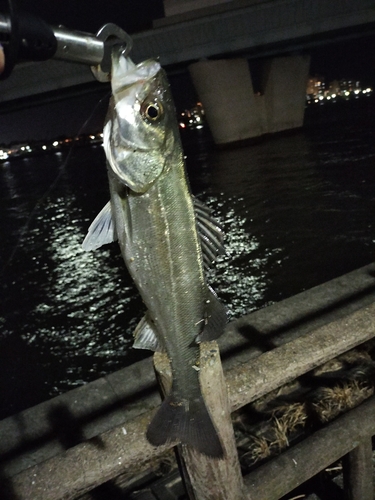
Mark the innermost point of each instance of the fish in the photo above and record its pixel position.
(167, 239)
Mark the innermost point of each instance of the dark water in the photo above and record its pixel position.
(298, 210)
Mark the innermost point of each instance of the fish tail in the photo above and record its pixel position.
(190, 424)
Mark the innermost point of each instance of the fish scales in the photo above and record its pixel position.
(152, 215)
(160, 253)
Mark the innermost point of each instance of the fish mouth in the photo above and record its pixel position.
(126, 73)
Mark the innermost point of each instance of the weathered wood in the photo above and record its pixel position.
(87, 465)
(119, 397)
(247, 382)
(112, 453)
(281, 475)
(210, 479)
(358, 472)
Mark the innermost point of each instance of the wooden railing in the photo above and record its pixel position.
(125, 450)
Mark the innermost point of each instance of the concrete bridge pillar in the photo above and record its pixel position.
(226, 92)
(235, 113)
(284, 81)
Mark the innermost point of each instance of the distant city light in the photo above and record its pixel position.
(193, 118)
(17, 150)
(318, 92)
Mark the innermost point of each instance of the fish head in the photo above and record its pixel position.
(139, 130)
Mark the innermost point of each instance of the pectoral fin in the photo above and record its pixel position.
(215, 319)
(145, 336)
(101, 231)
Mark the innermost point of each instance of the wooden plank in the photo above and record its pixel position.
(301, 462)
(112, 453)
(98, 406)
(124, 449)
(358, 472)
(209, 478)
(248, 382)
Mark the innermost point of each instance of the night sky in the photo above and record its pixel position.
(352, 59)
(90, 15)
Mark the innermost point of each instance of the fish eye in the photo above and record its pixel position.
(152, 111)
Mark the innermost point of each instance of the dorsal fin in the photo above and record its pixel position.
(210, 233)
(101, 230)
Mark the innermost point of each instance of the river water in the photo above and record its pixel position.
(297, 210)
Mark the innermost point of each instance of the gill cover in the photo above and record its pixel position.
(138, 125)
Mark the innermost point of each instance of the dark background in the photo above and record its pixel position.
(64, 114)
(90, 15)
(352, 59)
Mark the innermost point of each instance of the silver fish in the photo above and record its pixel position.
(166, 238)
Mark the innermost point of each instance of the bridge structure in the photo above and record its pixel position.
(214, 39)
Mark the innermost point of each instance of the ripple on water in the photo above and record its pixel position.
(296, 211)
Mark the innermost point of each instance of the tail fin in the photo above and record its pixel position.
(189, 423)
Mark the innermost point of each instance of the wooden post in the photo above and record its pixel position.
(358, 472)
(210, 479)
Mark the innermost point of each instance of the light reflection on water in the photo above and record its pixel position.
(86, 297)
(295, 210)
(233, 276)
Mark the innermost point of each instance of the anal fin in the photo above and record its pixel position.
(145, 335)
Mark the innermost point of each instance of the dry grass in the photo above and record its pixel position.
(332, 401)
(258, 449)
(272, 423)
(273, 435)
(287, 419)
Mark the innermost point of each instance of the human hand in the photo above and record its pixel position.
(2, 59)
